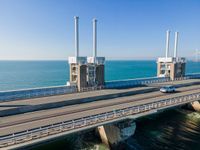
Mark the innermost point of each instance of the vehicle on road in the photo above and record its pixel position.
(168, 89)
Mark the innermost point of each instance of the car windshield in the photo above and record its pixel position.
(167, 87)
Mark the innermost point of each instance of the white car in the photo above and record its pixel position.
(168, 89)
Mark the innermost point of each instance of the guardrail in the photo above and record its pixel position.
(93, 120)
(134, 82)
(87, 89)
(193, 75)
(144, 81)
(58, 90)
(36, 92)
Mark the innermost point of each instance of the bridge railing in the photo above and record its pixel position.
(145, 81)
(193, 76)
(87, 89)
(36, 92)
(94, 120)
(58, 90)
(134, 82)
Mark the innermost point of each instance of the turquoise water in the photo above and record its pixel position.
(31, 74)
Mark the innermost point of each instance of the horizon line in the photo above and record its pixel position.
(190, 59)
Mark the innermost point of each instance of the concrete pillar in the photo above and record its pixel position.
(195, 105)
(103, 135)
(112, 134)
(158, 69)
(100, 75)
(172, 71)
(82, 77)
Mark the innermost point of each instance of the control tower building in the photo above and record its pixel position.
(86, 72)
(173, 67)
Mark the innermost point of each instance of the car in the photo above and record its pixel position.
(168, 89)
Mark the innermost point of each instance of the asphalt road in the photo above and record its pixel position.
(21, 122)
(86, 95)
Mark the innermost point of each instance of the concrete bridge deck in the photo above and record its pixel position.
(36, 119)
(36, 104)
(17, 123)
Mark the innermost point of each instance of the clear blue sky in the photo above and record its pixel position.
(127, 29)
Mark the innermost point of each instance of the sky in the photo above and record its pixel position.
(127, 29)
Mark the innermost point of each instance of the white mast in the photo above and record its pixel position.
(167, 44)
(94, 39)
(176, 44)
(76, 36)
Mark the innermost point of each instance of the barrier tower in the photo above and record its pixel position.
(173, 67)
(86, 72)
(95, 64)
(77, 64)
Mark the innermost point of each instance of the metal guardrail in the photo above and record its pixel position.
(143, 81)
(193, 75)
(58, 90)
(87, 89)
(71, 125)
(36, 92)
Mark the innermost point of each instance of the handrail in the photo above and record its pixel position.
(135, 82)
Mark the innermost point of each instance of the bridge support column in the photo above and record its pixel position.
(195, 105)
(113, 134)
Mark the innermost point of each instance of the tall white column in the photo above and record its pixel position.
(76, 36)
(167, 44)
(176, 44)
(94, 39)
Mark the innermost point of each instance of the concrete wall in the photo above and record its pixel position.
(176, 69)
(100, 75)
(158, 69)
(72, 73)
(82, 76)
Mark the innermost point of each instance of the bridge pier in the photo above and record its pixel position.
(112, 134)
(195, 105)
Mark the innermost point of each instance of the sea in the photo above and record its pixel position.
(173, 129)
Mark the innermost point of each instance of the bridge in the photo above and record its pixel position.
(32, 116)
(35, 119)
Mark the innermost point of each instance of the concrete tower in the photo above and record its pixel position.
(173, 67)
(86, 71)
(95, 64)
(78, 65)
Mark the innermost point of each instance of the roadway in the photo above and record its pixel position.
(21, 122)
(77, 98)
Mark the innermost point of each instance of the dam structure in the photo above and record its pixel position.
(34, 116)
